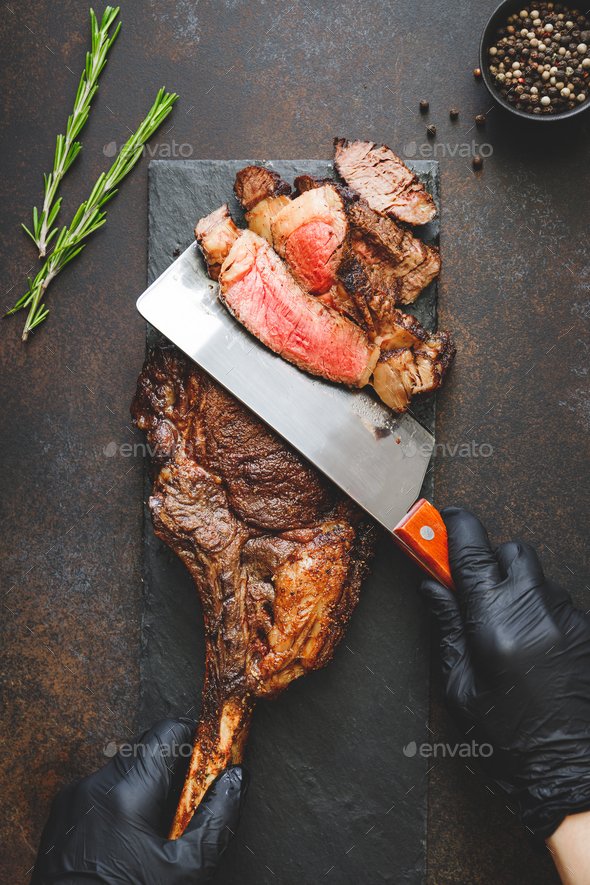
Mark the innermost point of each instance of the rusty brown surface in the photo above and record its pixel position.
(268, 79)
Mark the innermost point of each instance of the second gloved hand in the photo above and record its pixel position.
(516, 663)
(111, 827)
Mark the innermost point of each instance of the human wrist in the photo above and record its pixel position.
(569, 846)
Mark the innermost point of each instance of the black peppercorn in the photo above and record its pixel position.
(454, 113)
(431, 130)
(480, 120)
(424, 105)
(477, 162)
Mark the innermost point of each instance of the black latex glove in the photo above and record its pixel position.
(516, 664)
(111, 827)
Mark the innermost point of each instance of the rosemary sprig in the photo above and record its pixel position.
(91, 214)
(66, 146)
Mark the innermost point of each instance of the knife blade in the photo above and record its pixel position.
(376, 457)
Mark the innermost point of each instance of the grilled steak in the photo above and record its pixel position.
(357, 262)
(215, 234)
(383, 180)
(257, 288)
(369, 306)
(393, 257)
(308, 231)
(350, 334)
(262, 193)
(276, 553)
(309, 234)
(412, 361)
(256, 183)
(260, 218)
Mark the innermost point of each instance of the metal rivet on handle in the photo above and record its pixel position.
(427, 532)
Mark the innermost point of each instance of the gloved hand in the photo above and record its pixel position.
(516, 665)
(111, 827)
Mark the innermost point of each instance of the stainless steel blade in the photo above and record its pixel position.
(376, 457)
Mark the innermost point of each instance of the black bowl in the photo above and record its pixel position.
(497, 20)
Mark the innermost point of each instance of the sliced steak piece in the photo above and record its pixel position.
(257, 288)
(260, 218)
(414, 282)
(370, 306)
(384, 236)
(263, 194)
(276, 552)
(390, 252)
(216, 234)
(393, 257)
(309, 234)
(383, 180)
(412, 361)
(307, 182)
(256, 183)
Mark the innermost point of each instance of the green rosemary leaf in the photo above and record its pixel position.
(90, 215)
(66, 146)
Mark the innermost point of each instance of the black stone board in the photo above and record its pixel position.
(332, 796)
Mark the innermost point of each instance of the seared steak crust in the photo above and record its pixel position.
(263, 194)
(307, 182)
(383, 180)
(215, 234)
(373, 306)
(277, 554)
(256, 183)
(393, 257)
(414, 362)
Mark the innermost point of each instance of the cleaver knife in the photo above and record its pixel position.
(376, 457)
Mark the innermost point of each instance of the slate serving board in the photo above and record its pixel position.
(332, 796)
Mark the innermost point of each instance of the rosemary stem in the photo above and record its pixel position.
(91, 215)
(67, 146)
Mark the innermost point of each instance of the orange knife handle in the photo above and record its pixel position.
(422, 534)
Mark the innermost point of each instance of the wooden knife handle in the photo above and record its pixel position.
(422, 534)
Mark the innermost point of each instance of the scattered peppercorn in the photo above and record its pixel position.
(477, 162)
(477, 73)
(540, 59)
(431, 130)
(454, 113)
(480, 120)
(424, 105)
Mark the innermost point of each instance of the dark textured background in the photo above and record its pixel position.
(268, 79)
